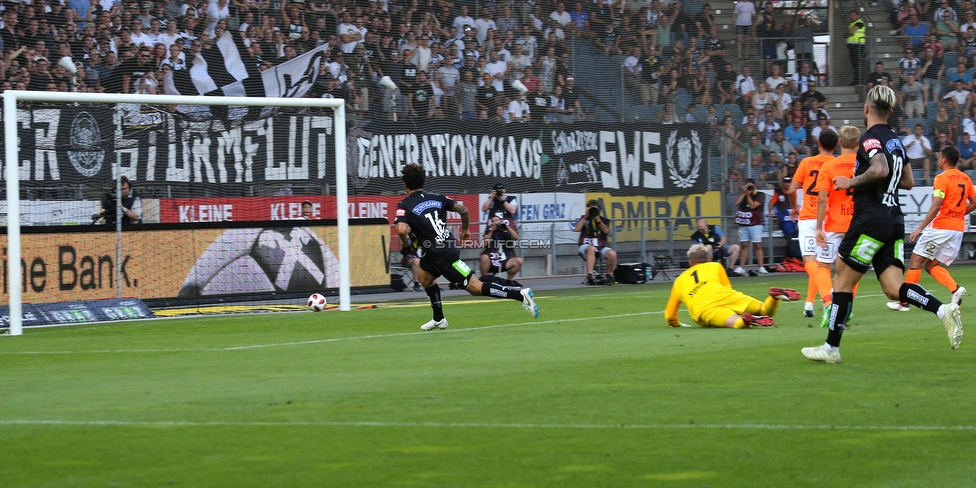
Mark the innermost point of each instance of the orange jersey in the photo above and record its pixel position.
(806, 175)
(955, 188)
(840, 203)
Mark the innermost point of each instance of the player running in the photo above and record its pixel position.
(707, 292)
(953, 198)
(834, 211)
(805, 178)
(426, 214)
(876, 234)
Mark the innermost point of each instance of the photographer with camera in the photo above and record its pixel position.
(131, 206)
(594, 231)
(499, 250)
(500, 204)
(749, 217)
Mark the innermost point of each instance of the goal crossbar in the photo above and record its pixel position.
(11, 97)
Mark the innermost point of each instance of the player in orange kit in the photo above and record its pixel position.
(834, 210)
(707, 292)
(805, 178)
(953, 197)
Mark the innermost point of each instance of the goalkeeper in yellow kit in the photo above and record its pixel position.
(705, 289)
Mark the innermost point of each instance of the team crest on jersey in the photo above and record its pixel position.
(684, 158)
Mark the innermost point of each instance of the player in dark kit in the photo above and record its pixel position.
(877, 232)
(426, 214)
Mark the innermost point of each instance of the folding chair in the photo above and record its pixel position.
(661, 263)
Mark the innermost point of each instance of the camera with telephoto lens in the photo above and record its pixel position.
(594, 212)
(498, 193)
(108, 208)
(751, 187)
(501, 227)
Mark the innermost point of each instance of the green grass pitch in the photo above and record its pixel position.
(596, 392)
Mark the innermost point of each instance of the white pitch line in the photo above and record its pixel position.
(483, 425)
(331, 339)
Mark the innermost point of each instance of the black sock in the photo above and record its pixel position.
(839, 311)
(914, 294)
(497, 290)
(434, 294)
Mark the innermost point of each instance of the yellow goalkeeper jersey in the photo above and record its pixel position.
(699, 288)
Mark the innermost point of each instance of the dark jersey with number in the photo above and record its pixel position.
(426, 213)
(877, 203)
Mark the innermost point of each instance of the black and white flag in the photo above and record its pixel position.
(223, 71)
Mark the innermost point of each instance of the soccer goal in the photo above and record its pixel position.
(239, 172)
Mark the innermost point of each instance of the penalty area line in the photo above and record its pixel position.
(332, 339)
(482, 425)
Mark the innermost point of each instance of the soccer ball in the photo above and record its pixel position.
(316, 302)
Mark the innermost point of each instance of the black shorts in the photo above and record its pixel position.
(446, 263)
(878, 245)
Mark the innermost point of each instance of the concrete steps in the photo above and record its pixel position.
(846, 105)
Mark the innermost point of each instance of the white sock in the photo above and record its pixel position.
(941, 312)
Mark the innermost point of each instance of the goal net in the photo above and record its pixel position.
(177, 201)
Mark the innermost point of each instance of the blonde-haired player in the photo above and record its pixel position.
(877, 231)
(941, 231)
(805, 179)
(834, 211)
(707, 292)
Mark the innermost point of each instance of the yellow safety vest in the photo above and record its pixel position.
(859, 34)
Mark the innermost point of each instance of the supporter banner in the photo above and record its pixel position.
(81, 145)
(223, 260)
(622, 159)
(628, 214)
(79, 312)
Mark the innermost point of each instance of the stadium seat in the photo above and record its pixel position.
(736, 112)
(701, 112)
(950, 58)
(910, 124)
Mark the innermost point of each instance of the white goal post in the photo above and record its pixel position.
(11, 97)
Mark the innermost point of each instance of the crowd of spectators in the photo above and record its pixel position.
(447, 60)
(934, 80)
(762, 125)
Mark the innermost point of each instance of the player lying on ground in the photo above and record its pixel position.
(426, 214)
(707, 292)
